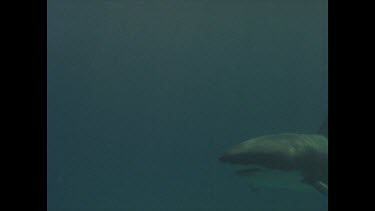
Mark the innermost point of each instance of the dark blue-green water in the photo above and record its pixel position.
(143, 97)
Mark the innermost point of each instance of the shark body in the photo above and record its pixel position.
(288, 160)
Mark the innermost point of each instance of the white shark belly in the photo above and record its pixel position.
(269, 178)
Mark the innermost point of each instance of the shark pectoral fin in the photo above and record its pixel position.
(320, 186)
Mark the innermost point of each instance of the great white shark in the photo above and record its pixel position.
(287, 160)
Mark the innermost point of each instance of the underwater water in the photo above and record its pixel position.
(144, 96)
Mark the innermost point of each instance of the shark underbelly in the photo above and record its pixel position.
(277, 179)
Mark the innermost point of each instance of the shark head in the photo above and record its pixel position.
(272, 151)
(280, 160)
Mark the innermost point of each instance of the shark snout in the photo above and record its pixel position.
(256, 153)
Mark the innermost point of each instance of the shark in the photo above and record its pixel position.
(294, 161)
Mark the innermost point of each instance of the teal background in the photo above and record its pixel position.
(143, 96)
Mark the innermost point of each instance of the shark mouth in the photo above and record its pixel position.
(249, 169)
